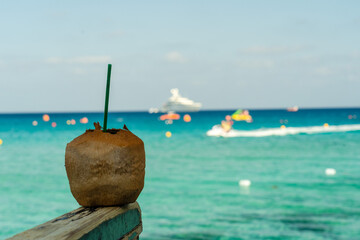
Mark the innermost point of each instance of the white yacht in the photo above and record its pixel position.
(177, 103)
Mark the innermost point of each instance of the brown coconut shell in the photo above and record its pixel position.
(105, 168)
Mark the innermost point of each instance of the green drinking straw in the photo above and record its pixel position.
(107, 97)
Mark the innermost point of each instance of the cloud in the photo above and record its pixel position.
(268, 50)
(79, 60)
(115, 34)
(79, 71)
(256, 64)
(58, 14)
(353, 77)
(175, 56)
(323, 71)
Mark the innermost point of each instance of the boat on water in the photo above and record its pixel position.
(177, 103)
(293, 109)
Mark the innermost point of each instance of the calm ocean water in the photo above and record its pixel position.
(192, 181)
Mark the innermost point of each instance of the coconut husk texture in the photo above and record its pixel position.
(105, 168)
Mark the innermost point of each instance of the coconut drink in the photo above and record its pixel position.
(105, 167)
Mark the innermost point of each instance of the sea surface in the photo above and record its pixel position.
(192, 186)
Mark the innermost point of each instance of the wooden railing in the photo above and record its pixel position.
(106, 223)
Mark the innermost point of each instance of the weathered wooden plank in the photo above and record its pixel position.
(90, 223)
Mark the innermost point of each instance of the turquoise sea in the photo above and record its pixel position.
(192, 180)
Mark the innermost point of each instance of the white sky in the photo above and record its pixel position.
(225, 54)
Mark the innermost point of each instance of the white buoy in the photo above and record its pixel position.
(330, 171)
(244, 183)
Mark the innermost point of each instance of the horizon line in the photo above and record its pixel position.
(204, 110)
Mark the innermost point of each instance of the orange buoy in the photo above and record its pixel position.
(34, 123)
(84, 120)
(168, 134)
(326, 125)
(187, 118)
(53, 124)
(46, 117)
